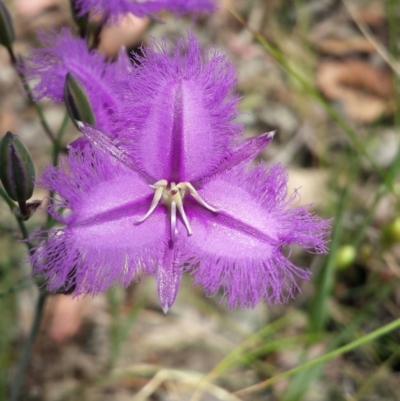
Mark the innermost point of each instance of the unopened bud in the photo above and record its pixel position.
(16, 168)
(7, 35)
(77, 101)
(345, 256)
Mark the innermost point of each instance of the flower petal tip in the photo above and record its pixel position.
(165, 310)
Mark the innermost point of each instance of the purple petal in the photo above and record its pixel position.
(102, 243)
(176, 118)
(239, 249)
(79, 144)
(63, 53)
(116, 8)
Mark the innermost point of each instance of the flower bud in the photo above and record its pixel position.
(7, 35)
(77, 101)
(16, 168)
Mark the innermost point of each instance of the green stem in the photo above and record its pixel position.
(57, 146)
(28, 92)
(318, 311)
(26, 352)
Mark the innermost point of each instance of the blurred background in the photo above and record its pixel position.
(325, 74)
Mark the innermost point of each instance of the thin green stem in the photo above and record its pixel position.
(57, 146)
(318, 311)
(324, 358)
(28, 92)
(26, 352)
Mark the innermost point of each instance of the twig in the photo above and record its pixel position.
(190, 378)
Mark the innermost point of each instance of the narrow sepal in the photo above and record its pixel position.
(7, 35)
(17, 172)
(243, 152)
(112, 147)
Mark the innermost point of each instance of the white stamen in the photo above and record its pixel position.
(156, 200)
(187, 186)
(173, 198)
(184, 217)
(159, 184)
(177, 199)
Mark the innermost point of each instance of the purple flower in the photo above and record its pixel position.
(174, 193)
(62, 53)
(141, 8)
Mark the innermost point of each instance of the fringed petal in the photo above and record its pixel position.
(102, 242)
(240, 249)
(115, 9)
(62, 53)
(176, 117)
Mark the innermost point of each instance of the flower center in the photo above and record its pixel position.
(172, 196)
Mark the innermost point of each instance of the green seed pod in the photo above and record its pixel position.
(7, 35)
(390, 233)
(345, 256)
(77, 101)
(16, 168)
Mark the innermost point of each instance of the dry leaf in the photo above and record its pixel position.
(364, 91)
(343, 46)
